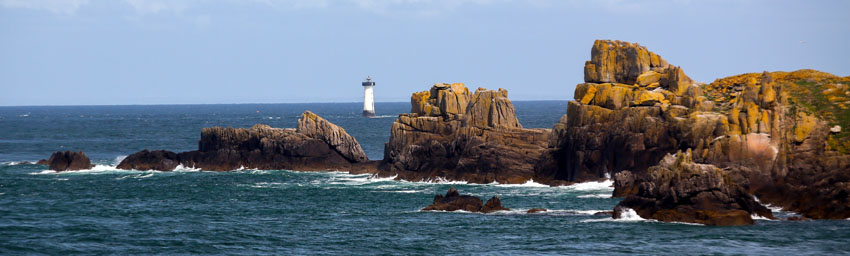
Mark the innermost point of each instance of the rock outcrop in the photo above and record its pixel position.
(677, 189)
(69, 161)
(773, 134)
(454, 201)
(632, 110)
(160, 160)
(620, 62)
(316, 145)
(316, 127)
(455, 135)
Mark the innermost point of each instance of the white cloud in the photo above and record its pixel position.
(66, 7)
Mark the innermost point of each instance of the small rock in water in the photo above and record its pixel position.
(536, 210)
(69, 161)
(604, 213)
(454, 201)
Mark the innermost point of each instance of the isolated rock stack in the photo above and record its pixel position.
(453, 134)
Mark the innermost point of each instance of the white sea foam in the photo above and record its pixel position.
(602, 195)
(769, 206)
(181, 168)
(592, 185)
(267, 184)
(441, 180)
(627, 216)
(404, 191)
(118, 159)
(529, 183)
(357, 179)
(383, 116)
(759, 217)
(584, 212)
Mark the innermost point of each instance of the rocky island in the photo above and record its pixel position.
(315, 145)
(678, 150)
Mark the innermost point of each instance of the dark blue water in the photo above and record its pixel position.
(109, 211)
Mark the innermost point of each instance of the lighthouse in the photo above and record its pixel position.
(368, 98)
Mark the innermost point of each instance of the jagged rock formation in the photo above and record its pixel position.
(778, 135)
(314, 146)
(454, 201)
(455, 135)
(632, 109)
(68, 161)
(619, 62)
(317, 127)
(677, 189)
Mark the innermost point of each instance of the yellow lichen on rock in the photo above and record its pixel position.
(613, 96)
(419, 101)
(648, 98)
(648, 78)
(805, 123)
(585, 92)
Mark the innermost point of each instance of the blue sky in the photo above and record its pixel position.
(96, 52)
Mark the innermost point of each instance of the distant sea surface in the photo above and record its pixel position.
(110, 211)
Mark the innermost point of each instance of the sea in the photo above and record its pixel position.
(282, 212)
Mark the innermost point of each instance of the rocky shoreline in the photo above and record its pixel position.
(678, 150)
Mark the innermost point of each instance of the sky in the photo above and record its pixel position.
(116, 52)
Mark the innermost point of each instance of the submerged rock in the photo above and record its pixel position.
(677, 189)
(316, 145)
(535, 210)
(69, 161)
(454, 201)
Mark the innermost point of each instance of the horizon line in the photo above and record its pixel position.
(191, 104)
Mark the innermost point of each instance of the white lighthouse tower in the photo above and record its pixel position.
(368, 98)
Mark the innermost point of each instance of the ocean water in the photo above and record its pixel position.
(109, 211)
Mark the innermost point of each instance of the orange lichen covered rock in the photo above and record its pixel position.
(619, 62)
(485, 143)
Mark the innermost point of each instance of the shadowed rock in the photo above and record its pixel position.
(454, 201)
(679, 190)
(69, 161)
(160, 160)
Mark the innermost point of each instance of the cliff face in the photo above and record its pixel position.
(454, 134)
(632, 110)
(778, 135)
(315, 145)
